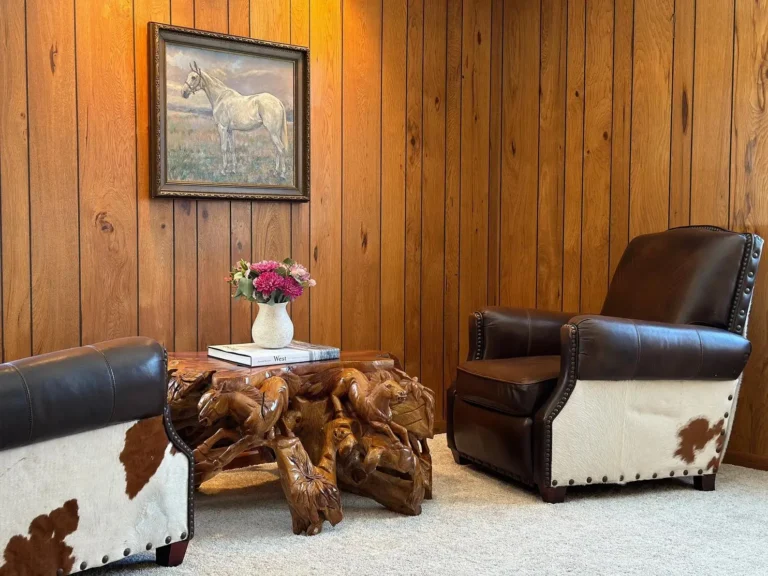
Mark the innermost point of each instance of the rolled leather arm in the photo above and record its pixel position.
(620, 349)
(497, 332)
(81, 389)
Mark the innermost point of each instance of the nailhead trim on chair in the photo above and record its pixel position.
(574, 339)
(182, 446)
(479, 344)
(745, 282)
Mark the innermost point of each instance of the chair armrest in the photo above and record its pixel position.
(497, 332)
(621, 349)
(81, 389)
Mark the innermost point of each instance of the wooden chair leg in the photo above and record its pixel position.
(173, 554)
(552, 495)
(704, 483)
(458, 458)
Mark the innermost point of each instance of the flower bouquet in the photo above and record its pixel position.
(272, 285)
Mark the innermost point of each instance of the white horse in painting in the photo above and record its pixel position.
(233, 111)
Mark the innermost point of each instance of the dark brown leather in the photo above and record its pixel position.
(80, 389)
(499, 441)
(516, 386)
(681, 276)
(621, 349)
(497, 332)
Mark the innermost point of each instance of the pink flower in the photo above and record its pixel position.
(268, 282)
(299, 272)
(291, 288)
(265, 266)
(312, 282)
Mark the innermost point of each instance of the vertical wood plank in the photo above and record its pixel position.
(239, 16)
(393, 130)
(184, 236)
(494, 168)
(53, 169)
(183, 13)
(710, 171)
(433, 199)
(241, 311)
(271, 20)
(622, 130)
(155, 216)
(300, 22)
(475, 119)
(413, 182)
(361, 175)
(574, 155)
(749, 208)
(325, 234)
(452, 324)
(520, 154)
(240, 212)
(213, 228)
(651, 117)
(16, 322)
(682, 112)
(107, 137)
(598, 118)
(300, 222)
(549, 277)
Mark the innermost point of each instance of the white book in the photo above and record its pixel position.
(252, 355)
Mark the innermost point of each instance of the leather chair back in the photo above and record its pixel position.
(694, 275)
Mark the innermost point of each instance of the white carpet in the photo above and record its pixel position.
(479, 524)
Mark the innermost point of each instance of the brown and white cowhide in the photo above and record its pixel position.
(619, 429)
(73, 503)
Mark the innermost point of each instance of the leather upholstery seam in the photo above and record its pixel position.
(112, 376)
(491, 407)
(701, 355)
(28, 394)
(638, 353)
(511, 383)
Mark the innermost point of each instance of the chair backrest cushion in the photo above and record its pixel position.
(694, 275)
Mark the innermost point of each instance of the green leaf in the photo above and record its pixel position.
(244, 288)
(289, 262)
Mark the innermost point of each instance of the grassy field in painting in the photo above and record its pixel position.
(194, 153)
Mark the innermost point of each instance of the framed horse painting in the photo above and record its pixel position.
(229, 116)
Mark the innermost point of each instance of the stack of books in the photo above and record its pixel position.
(252, 355)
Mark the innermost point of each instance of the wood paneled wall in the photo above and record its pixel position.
(464, 152)
(87, 256)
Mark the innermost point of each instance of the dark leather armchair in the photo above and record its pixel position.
(91, 469)
(645, 390)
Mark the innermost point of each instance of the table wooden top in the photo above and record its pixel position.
(201, 362)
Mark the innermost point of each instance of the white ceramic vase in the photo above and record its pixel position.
(273, 327)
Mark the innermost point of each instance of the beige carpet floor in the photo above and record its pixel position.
(479, 524)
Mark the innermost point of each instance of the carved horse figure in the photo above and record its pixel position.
(371, 403)
(311, 490)
(256, 411)
(234, 111)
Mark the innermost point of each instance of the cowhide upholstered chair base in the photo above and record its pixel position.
(91, 470)
(645, 390)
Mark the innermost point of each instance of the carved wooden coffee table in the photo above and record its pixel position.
(359, 423)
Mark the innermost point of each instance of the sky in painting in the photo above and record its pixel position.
(243, 72)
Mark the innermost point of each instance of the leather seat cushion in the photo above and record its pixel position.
(516, 386)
